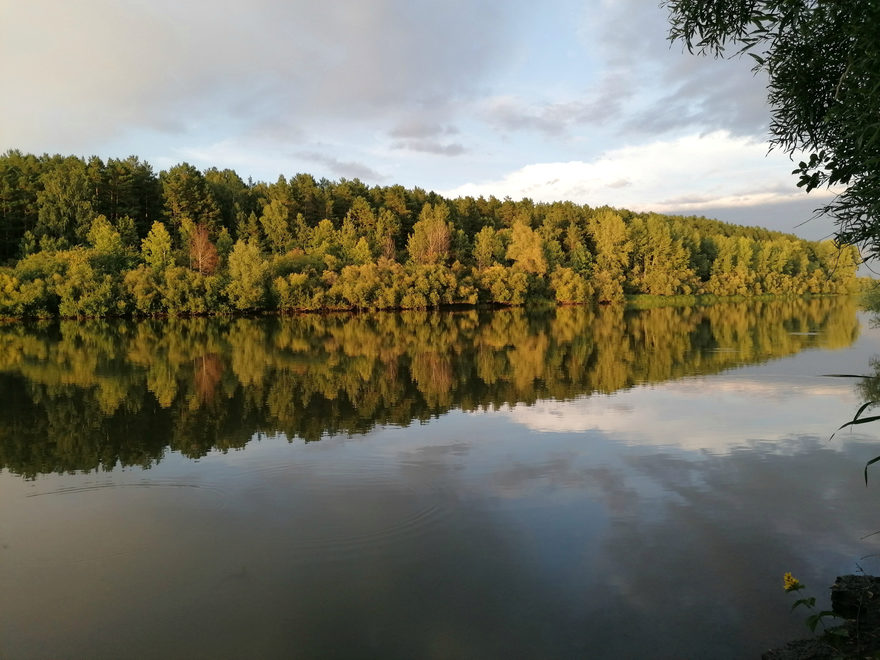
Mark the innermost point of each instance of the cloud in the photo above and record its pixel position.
(512, 114)
(348, 169)
(686, 175)
(425, 136)
(632, 82)
(675, 90)
(98, 68)
(241, 154)
(714, 96)
(419, 129)
(431, 147)
(797, 216)
(598, 105)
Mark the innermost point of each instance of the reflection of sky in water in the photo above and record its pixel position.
(654, 522)
(786, 397)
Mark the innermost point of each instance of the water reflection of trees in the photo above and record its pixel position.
(87, 396)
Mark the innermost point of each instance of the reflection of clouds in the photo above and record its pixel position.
(448, 547)
(521, 479)
(727, 527)
(714, 414)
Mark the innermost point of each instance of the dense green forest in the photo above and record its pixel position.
(88, 395)
(92, 238)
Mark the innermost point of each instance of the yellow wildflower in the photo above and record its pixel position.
(790, 583)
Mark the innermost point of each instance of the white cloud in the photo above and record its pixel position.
(431, 147)
(685, 174)
(671, 89)
(91, 70)
(599, 105)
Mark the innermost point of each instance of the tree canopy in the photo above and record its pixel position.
(198, 243)
(822, 58)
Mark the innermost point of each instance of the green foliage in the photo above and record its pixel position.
(233, 196)
(248, 277)
(37, 277)
(296, 262)
(526, 249)
(224, 243)
(248, 228)
(793, 585)
(503, 285)
(186, 291)
(156, 248)
(110, 255)
(569, 286)
(822, 60)
(385, 236)
(347, 241)
(430, 240)
(275, 227)
(188, 196)
(85, 292)
(65, 204)
(295, 291)
(611, 247)
(488, 247)
(359, 287)
(19, 208)
(324, 241)
(660, 262)
(142, 287)
(429, 285)
(361, 217)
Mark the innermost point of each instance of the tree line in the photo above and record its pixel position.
(89, 395)
(81, 238)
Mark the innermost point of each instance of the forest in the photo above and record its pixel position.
(88, 238)
(91, 395)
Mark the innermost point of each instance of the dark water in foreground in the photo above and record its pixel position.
(494, 485)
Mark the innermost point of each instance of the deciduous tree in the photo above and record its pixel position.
(822, 59)
(203, 255)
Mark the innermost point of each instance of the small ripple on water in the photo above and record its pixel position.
(417, 523)
(329, 531)
(85, 488)
(363, 471)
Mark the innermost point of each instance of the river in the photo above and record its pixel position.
(560, 484)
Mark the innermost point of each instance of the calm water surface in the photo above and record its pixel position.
(487, 485)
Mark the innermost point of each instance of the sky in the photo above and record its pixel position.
(584, 101)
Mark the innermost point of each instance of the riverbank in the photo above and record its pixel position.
(855, 600)
(636, 302)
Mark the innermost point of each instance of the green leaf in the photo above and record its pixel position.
(869, 464)
(854, 422)
(864, 407)
(814, 619)
(808, 602)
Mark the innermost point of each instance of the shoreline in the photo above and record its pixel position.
(631, 302)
